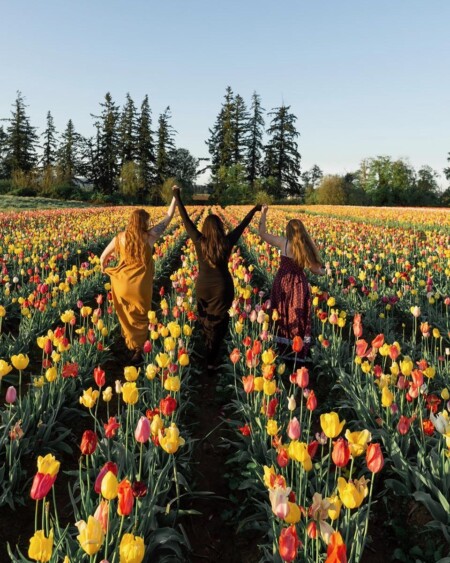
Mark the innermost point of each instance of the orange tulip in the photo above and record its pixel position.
(125, 498)
(374, 458)
(336, 550)
(289, 543)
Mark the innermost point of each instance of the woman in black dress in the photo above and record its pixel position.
(214, 287)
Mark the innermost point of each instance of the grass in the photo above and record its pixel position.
(16, 203)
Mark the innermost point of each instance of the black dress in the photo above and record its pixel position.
(214, 286)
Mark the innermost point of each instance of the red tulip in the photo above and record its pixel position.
(256, 348)
(139, 489)
(311, 401)
(341, 452)
(42, 483)
(378, 341)
(403, 425)
(272, 407)
(167, 405)
(312, 530)
(88, 442)
(289, 543)
(297, 344)
(312, 448)
(147, 348)
(125, 498)
(357, 326)
(374, 458)
(111, 427)
(282, 457)
(99, 377)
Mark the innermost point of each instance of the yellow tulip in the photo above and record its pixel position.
(51, 374)
(445, 394)
(169, 344)
(164, 331)
(107, 394)
(174, 329)
(269, 387)
(170, 441)
(272, 427)
(294, 513)
(350, 496)
(268, 356)
(2, 311)
(151, 371)
(67, 316)
(48, 465)
(89, 398)
(269, 472)
(156, 425)
(335, 507)
(91, 534)
(430, 372)
(41, 547)
(131, 549)
(39, 381)
(406, 365)
(259, 383)
(357, 441)
(20, 361)
(331, 425)
(130, 373)
(109, 486)
(5, 368)
(172, 383)
(152, 318)
(387, 397)
(130, 393)
(163, 360)
(183, 360)
(187, 330)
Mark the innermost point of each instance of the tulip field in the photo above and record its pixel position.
(318, 452)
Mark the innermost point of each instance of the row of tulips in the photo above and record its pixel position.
(126, 491)
(43, 416)
(405, 407)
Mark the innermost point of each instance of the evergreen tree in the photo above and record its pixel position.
(255, 144)
(222, 137)
(239, 127)
(68, 153)
(282, 157)
(165, 147)
(128, 132)
(49, 146)
(447, 170)
(145, 148)
(107, 149)
(21, 140)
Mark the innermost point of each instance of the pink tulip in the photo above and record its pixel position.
(11, 395)
(142, 432)
(293, 430)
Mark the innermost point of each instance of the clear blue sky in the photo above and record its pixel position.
(364, 77)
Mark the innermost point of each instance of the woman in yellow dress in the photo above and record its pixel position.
(132, 278)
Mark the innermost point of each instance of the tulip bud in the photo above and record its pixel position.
(11, 395)
(142, 432)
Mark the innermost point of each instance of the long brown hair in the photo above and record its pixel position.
(304, 251)
(214, 243)
(135, 239)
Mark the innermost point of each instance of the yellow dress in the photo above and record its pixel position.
(132, 288)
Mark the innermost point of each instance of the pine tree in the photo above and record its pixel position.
(128, 132)
(255, 144)
(21, 140)
(222, 137)
(107, 148)
(282, 162)
(3, 152)
(68, 153)
(165, 147)
(240, 124)
(49, 146)
(145, 148)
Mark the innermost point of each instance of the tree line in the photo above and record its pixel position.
(253, 156)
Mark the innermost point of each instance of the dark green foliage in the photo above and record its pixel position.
(255, 140)
(128, 132)
(21, 140)
(282, 157)
(49, 143)
(68, 156)
(165, 147)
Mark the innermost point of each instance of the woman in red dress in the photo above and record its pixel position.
(291, 295)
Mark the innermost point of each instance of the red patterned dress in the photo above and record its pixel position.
(291, 297)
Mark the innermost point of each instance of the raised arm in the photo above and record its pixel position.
(109, 250)
(274, 240)
(160, 227)
(191, 229)
(234, 235)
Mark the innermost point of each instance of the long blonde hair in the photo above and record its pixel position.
(304, 251)
(214, 242)
(135, 239)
